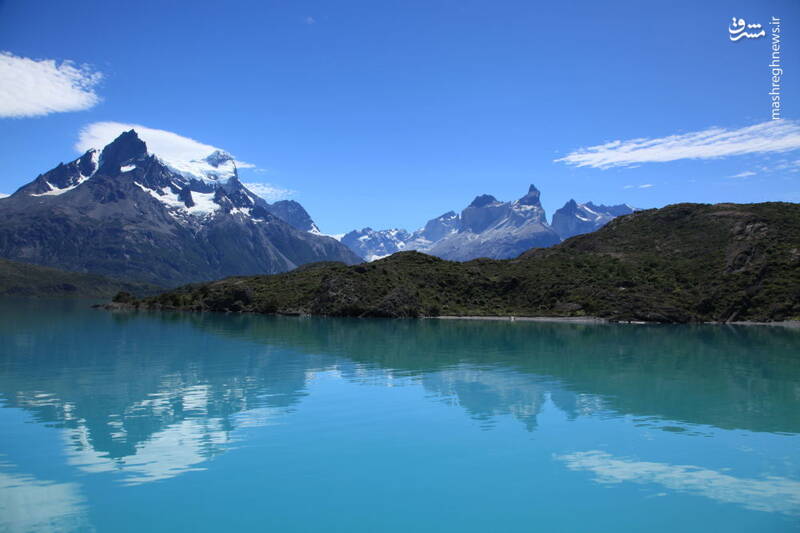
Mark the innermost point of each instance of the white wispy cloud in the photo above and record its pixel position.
(269, 192)
(36, 87)
(745, 174)
(772, 494)
(766, 137)
(642, 186)
(783, 165)
(3, 195)
(165, 144)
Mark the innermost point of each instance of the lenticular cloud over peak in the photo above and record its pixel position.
(167, 145)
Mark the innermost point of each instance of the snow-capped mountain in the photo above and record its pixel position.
(576, 219)
(125, 212)
(486, 228)
(373, 244)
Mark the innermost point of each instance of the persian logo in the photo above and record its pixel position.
(737, 27)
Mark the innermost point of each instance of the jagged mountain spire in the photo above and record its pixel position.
(127, 147)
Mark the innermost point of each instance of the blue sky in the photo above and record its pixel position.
(386, 114)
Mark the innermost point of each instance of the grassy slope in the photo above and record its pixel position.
(23, 279)
(686, 262)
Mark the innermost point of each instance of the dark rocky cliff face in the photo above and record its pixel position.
(125, 213)
(293, 213)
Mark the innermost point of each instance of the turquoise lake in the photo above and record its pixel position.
(204, 422)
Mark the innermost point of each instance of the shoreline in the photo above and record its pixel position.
(118, 306)
(568, 319)
(598, 320)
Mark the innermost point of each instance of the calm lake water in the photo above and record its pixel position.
(190, 422)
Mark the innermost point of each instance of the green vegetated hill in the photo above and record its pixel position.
(681, 263)
(23, 279)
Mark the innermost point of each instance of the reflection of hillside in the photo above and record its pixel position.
(729, 377)
(198, 377)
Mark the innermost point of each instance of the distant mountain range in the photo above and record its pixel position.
(487, 228)
(124, 212)
(127, 213)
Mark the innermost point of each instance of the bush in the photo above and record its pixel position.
(123, 297)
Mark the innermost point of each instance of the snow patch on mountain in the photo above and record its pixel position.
(55, 191)
(334, 236)
(217, 167)
(85, 168)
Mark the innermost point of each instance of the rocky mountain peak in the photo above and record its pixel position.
(440, 226)
(575, 219)
(483, 200)
(532, 198)
(218, 157)
(293, 213)
(571, 206)
(615, 210)
(128, 146)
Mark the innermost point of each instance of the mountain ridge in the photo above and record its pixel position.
(680, 263)
(487, 227)
(575, 219)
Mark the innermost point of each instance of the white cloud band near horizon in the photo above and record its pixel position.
(712, 143)
(38, 87)
(165, 144)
